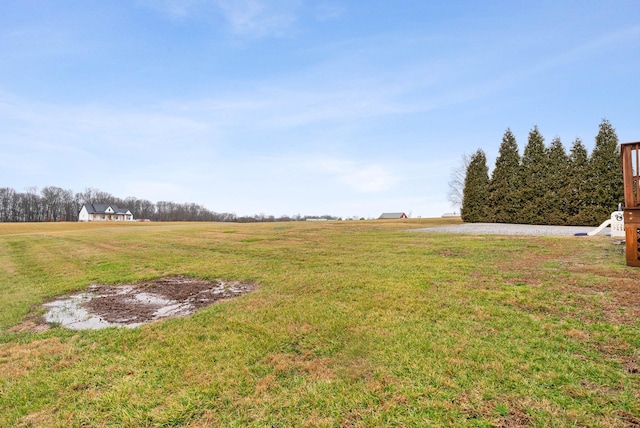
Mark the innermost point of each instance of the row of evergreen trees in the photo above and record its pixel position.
(546, 185)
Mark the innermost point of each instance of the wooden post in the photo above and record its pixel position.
(630, 156)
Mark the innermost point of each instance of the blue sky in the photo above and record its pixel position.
(348, 108)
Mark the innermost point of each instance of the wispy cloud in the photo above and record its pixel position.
(361, 176)
(286, 108)
(99, 125)
(259, 17)
(177, 9)
(562, 56)
(37, 43)
(327, 11)
(249, 18)
(590, 48)
(44, 139)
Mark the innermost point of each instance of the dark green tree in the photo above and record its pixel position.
(605, 186)
(476, 189)
(557, 184)
(504, 186)
(577, 184)
(534, 171)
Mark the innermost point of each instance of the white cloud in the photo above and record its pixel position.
(45, 144)
(258, 17)
(370, 178)
(360, 176)
(94, 125)
(252, 18)
(172, 153)
(327, 11)
(160, 189)
(177, 9)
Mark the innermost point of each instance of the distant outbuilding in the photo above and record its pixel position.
(104, 212)
(387, 216)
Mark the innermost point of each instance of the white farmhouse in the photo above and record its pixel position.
(104, 212)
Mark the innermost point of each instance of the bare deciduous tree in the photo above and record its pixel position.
(456, 181)
(57, 204)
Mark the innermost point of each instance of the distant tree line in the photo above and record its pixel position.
(57, 204)
(545, 185)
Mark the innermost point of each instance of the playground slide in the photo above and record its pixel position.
(600, 228)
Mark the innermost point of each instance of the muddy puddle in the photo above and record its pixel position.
(102, 306)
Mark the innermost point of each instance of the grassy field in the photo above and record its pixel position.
(355, 323)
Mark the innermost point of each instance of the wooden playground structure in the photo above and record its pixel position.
(630, 156)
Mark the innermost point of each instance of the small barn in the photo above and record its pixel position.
(387, 216)
(104, 212)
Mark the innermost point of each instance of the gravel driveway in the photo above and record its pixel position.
(512, 229)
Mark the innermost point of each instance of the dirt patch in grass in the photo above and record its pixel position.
(131, 305)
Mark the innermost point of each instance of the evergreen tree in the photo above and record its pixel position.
(605, 176)
(577, 184)
(534, 171)
(557, 184)
(504, 187)
(476, 189)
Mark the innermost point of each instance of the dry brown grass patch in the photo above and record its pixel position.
(318, 368)
(41, 418)
(17, 360)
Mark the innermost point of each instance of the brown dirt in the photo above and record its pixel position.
(142, 301)
(135, 304)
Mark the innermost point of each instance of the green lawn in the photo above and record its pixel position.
(354, 323)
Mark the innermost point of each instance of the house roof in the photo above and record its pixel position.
(392, 215)
(102, 209)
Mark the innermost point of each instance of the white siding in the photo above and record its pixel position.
(84, 214)
(108, 215)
